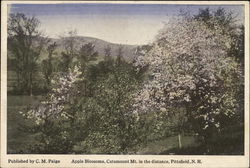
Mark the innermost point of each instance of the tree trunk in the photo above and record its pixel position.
(31, 94)
(179, 139)
(18, 80)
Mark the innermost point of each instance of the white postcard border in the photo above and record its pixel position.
(65, 160)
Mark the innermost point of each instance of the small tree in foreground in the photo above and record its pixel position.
(54, 119)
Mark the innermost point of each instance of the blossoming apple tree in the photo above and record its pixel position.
(54, 117)
(189, 68)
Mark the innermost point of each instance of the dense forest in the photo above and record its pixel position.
(183, 93)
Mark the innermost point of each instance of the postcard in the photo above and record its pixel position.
(124, 84)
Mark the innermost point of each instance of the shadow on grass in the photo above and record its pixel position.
(229, 141)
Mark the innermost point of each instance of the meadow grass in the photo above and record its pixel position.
(166, 144)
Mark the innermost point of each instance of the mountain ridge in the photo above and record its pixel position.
(100, 45)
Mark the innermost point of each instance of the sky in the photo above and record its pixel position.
(134, 24)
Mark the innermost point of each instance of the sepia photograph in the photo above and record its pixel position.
(124, 79)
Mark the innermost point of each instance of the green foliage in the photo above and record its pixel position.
(113, 128)
(94, 117)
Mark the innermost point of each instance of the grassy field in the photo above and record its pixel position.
(18, 140)
(165, 146)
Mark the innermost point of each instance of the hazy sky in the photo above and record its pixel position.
(117, 23)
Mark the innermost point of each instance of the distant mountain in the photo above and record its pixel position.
(100, 45)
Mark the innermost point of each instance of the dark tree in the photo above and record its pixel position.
(86, 54)
(25, 45)
(119, 58)
(107, 53)
(228, 26)
(47, 64)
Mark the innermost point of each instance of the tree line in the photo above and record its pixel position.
(34, 57)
